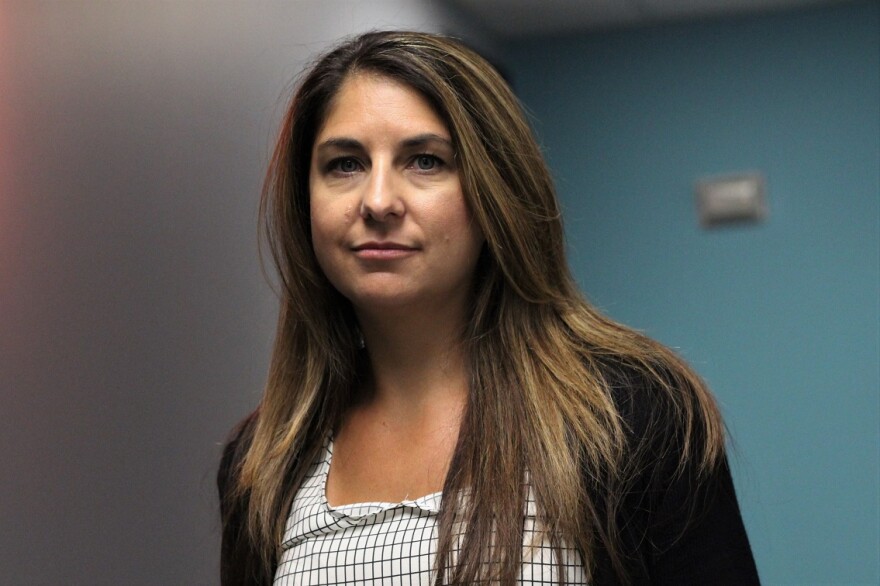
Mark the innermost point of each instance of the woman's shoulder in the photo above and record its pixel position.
(651, 396)
(673, 430)
(240, 562)
(237, 445)
(678, 514)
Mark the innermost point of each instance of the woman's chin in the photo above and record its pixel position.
(384, 301)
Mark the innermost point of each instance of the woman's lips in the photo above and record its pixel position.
(383, 250)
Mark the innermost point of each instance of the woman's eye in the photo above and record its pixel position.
(346, 165)
(426, 162)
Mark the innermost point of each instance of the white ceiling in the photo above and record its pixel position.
(514, 18)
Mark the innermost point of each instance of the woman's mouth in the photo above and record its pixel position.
(383, 250)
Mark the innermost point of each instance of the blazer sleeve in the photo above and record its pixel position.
(697, 534)
(677, 527)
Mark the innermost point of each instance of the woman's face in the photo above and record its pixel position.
(390, 226)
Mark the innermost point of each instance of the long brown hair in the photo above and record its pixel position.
(544, 366)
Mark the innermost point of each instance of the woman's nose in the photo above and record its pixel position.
(381, 200)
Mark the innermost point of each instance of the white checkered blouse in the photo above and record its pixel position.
(386, 543)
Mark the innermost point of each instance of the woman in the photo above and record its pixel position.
(431, 343)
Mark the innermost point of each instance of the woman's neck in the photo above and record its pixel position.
(417, 360)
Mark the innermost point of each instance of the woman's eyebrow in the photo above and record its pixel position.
(351, 144)
(342, 143)
(423, 139)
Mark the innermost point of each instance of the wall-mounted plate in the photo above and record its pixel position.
(731, 199)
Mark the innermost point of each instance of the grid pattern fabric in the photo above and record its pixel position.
(386, 543)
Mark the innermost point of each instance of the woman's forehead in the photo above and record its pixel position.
(376, 103)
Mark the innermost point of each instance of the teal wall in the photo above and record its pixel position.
(781, 318)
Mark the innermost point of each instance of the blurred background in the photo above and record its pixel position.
(135, 324)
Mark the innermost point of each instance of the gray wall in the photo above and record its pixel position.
(135, 324)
